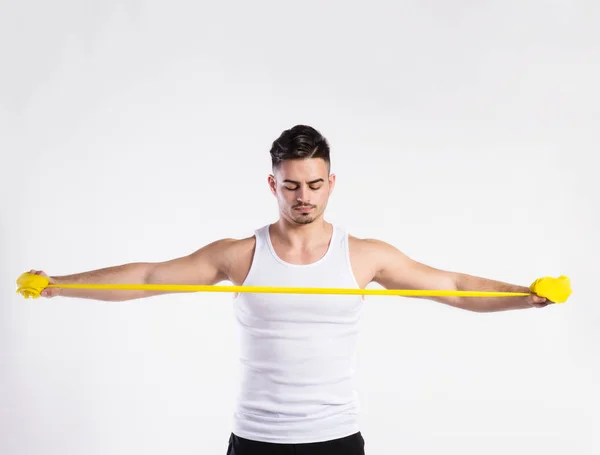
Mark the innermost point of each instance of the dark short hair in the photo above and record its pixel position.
(299, 142)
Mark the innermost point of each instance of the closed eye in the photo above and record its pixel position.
(313, 184)
(314, 188)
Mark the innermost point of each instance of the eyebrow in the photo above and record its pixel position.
(298, 183)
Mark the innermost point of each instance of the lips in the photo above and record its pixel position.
(304, 209)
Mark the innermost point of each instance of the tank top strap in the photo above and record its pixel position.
(339, 243)
(261, 236)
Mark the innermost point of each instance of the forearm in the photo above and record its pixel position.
(466, 282)
(133, 273)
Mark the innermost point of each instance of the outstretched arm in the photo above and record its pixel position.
(207, 266)
(395, 270)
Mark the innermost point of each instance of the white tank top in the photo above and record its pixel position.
(297, 350)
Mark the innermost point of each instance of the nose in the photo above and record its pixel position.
(302, 195)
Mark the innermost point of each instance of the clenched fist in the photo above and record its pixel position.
(48, 292)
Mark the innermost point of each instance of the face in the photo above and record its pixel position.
(302, 188)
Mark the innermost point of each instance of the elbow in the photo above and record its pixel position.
(452, 283)
(456, 281)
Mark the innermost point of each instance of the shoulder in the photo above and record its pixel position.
(225, 255)
(239, 247)
(369, 246)
(375, 252)
(230, 248)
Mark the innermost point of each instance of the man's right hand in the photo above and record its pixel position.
(48, 292)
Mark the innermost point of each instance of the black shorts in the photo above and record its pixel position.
(350, 445)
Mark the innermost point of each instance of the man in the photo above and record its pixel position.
(297, 393)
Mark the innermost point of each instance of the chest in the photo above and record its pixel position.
(360, 266)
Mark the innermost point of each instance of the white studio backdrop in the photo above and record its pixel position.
(464, 133)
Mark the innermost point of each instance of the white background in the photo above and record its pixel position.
(464, 133)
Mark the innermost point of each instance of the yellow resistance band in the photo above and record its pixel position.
(556, 290)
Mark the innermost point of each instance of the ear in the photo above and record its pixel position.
(272, 184)
(331, 182)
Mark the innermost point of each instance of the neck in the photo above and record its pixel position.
(302, 235)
